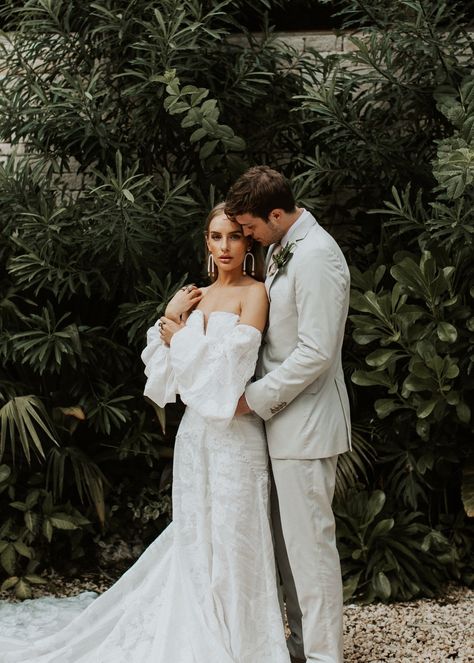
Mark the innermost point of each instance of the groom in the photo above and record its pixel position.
(301, 395)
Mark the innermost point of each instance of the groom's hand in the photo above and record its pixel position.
(242, 406)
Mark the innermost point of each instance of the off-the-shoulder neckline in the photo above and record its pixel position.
(236, 315)
(198, 310)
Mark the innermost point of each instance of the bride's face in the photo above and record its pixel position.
(226, 242)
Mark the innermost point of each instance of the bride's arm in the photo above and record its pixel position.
(254, 313)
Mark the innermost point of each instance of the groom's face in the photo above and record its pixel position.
(266, 232)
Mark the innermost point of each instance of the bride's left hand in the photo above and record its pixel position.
(168, 328)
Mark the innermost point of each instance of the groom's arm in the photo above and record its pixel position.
(321, 292)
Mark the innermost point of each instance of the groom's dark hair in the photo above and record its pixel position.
(259, 191)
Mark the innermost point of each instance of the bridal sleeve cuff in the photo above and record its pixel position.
(161, 385)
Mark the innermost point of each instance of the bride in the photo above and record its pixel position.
(205, 590)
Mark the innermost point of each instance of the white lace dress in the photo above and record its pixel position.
(205, 590)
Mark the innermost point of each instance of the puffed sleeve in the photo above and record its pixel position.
(161, 385)
(212, 372)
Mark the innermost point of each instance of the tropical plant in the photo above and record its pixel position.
(418, 320)
(388, 556)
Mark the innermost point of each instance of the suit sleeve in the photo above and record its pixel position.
(321, 285)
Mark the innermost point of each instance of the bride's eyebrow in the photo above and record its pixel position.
(232, 232)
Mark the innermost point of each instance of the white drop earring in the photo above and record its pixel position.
(211, 266)
(252, 264)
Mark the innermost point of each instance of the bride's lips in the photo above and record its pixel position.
(225, 259)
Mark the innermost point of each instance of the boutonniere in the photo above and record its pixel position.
(280, 258)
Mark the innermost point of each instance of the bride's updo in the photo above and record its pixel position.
(255, 248)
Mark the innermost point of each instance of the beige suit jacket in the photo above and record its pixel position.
(299, 389)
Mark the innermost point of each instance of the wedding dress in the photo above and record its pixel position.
(205, 590)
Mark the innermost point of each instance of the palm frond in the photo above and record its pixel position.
(89, 479)
(23, 418)
(353, 467)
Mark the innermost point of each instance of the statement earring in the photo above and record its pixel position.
(252, 264)
(211, 266)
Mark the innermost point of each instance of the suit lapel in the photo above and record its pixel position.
(301, 231)
(268, 282)
(268, 258)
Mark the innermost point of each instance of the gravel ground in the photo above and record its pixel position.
(429, 630)
(426, 631)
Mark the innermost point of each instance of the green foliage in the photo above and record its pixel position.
(21, 417)
(468, 488)
(417, 323)
(455, 168)
(355, 467)
(416, 358)
(386, 555)
(370, 111)
(32, 521)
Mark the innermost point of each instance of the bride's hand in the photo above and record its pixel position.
(168, 328)
(184, 300)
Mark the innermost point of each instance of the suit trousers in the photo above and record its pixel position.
(307, 557)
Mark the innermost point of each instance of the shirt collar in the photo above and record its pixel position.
(292, 229)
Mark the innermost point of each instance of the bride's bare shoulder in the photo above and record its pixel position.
(256, 292)
(255, 306)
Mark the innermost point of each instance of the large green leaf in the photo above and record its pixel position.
(381, 585)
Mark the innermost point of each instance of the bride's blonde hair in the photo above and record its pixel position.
(255, 249)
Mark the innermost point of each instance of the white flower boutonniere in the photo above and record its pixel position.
(280, 259)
